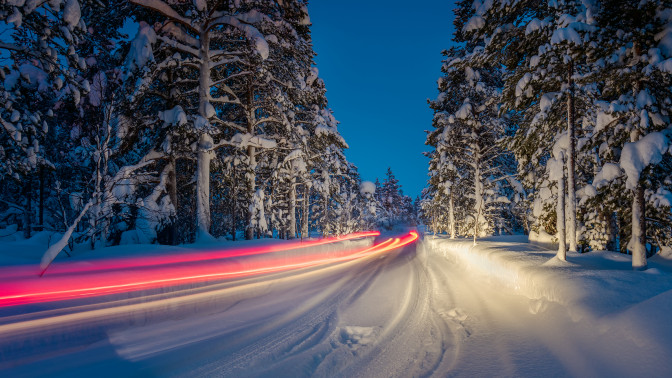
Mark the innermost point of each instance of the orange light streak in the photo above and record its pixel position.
(112, 281)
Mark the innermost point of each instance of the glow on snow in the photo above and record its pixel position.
(115, 275)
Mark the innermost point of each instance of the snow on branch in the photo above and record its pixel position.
(165, 9)
(122, 174)
(179, 46)
(241, 22)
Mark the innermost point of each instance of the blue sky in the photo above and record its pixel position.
(380, 60)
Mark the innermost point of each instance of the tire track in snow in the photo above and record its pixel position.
(413, 340)
(282, 345)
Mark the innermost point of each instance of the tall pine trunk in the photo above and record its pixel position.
(28, 209)
(571, 162)
(40, 226)
(304, 218)
(560, 222)
(172, 193)
(638, 242)
(251, 154)
(326, 228)
(451, 214)
(234, 207)
(203, 185)
(478, 194)
(292, 209)
(205, 141)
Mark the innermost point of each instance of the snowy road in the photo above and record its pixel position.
(411, 312)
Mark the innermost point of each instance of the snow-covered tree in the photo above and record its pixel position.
(631, 124)
(203, 38)
(469, 165)
(545, 47)
(41, 67)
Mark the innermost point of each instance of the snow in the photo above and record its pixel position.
(546, 101)
(664, 39)
(15, 116)
(465, 110)
(603, 120)
(606, 175)
(535, 25)
(305, 20)
(251, 33)
(210, 110)
(644, 99)
(16, 18)
(72, 13)
(33, 76)
(367, 188)
(314, 74)
(636, 156)
(245, 140)
(565, 35)
(175, 116)
(474, 23)
(522, 84)
(443, 308)
(201, 5)
(601, 314)
(140, 52)
(661, 197)
(561, 146)
(544, 239)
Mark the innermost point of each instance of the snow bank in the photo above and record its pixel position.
(597, 286)
(544, 239)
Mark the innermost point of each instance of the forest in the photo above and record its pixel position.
(171, 121)
(553, 119)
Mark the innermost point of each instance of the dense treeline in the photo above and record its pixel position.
(554, 118)
(208, 120)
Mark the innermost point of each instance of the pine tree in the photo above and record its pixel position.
(467, 137)
(543, 44)
(630, 124)
(197, 37)
(42, 66)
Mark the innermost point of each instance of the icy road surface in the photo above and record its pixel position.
(411, 312)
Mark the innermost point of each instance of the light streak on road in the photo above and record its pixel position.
(118, 278)
(177, 258)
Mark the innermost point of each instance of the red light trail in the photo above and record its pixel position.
(119, 276)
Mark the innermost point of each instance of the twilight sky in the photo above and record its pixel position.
(380, 60)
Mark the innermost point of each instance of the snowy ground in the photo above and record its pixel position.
(440, 307)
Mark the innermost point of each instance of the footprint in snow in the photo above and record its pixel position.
(356, 337)
(457, 316)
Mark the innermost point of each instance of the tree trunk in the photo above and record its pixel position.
(251, 154)
(203, 185)
(304, 219)
(172, 193)
(292, 209)
(28, 209)
(451, 204)
(205, 141)
(326, 227)
(560, 222)
(478, 195)
(571, 162)
(40, 227)
(234, 209)
(638, 242)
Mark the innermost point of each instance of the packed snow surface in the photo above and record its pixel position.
(437, 308)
